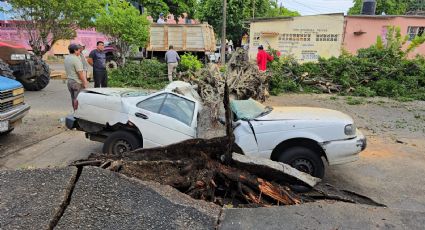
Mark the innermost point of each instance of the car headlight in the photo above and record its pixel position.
(17, 57)
(350, 130)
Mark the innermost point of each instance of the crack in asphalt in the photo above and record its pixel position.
(67, 199)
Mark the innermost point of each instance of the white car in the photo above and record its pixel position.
(126, 119)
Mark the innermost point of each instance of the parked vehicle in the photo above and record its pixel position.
(127, 119)
(12, 105)
(16, 62)
(196, 38)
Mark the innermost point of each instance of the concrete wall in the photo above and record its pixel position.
(304, 37)
(368, 28)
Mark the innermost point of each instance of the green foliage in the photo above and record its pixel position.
(389, 7)
(176, 7)
(124, 25)
(354, 101)
(238, 12)
(189, 62)
(149, 74)
(383, 69)
(48, 21)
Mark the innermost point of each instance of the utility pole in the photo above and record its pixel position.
(223, 34)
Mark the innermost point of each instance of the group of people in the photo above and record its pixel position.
(76, 68)
(182, 19)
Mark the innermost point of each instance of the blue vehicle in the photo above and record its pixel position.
(12, 105)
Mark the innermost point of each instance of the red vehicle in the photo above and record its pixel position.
(17, 63)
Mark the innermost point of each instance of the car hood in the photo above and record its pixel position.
(8, 84)
(120, 92)
(305, 113)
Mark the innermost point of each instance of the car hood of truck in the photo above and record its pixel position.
(306, 113)
(8, 84)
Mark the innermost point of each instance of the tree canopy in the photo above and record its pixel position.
(47, 21)
(176, 7)
(389, 7)
(238, 12)
(124, 25)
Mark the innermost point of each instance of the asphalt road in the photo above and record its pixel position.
(42, 140)
(390, 170)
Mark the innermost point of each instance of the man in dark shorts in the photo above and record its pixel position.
(97, 59)
(75, 73)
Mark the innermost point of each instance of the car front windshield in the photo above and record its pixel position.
(249, 109)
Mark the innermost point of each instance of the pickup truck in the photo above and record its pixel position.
(303, 137)
(12, 105)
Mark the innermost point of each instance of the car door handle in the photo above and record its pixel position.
(141, 115)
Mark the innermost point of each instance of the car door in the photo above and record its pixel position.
(164, 119)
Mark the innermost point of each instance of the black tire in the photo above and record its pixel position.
(7, 132)
(5, 70)
(303, 159)
(120, 142)
(111, 64)
(37, 83)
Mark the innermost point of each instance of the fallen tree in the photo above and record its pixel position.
(243, 78)
(195, 167)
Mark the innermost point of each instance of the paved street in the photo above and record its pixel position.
(389, 172)
(42, 140)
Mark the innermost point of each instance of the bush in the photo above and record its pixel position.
(148, 74)
(189, 62)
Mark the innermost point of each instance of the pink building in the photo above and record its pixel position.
(361, 31)
(88, 37)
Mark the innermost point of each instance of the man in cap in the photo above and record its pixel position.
(262, 58)
(161, 19)
(74, 72)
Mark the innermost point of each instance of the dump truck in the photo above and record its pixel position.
(17, 63)
(198, 39)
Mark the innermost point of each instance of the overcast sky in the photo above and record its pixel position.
(308, 7)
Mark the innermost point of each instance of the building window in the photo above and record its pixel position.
(414, 31)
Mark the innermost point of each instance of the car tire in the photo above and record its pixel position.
(7, 132)
(303, 159)
(120, 142)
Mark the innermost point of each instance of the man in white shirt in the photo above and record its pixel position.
(161, 19)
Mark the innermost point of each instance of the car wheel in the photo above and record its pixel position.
(120, 142)
(303, 159)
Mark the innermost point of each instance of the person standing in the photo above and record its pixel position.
(74, 72)
(262, 58)
(97, 59)
(161, 19)
(84, 61)
(172, 58)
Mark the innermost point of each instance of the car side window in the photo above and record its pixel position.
(153, 104)
(178, 108)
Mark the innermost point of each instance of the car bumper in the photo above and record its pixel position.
(15, 115)
(70, 122)
(345, 151)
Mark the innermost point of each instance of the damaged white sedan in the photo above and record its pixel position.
(303, 137)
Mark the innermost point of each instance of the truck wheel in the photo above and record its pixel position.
(5, 71)
(37, 83)
(111, 64)
(120, 142)
(303, 159)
